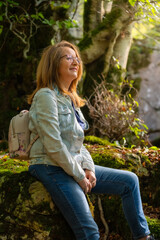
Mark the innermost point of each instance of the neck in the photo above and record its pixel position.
(65, 87)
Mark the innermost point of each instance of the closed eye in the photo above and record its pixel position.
(69, 58)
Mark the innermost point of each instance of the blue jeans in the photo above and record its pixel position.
(71, 200)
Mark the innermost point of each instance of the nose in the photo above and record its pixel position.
(75, 61)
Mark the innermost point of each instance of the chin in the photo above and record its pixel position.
(74, 76)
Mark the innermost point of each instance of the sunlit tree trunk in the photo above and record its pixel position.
(107, 40)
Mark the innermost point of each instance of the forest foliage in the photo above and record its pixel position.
(26, 27)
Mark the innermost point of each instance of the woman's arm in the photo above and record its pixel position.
(47, 125)
(87, 160)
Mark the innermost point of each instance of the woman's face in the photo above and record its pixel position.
(68, 67)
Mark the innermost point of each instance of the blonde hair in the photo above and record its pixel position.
(47, 72)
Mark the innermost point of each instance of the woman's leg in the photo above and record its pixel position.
(125, 184)
(69, 198)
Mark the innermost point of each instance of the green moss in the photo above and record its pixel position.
(85, 42)
(109, 155)
(12, 165)
(108, 159)
(14, 185)
(16, 198)
(154, 226)
(108, 22)
(93, 139)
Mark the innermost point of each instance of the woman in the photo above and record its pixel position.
(59, 159)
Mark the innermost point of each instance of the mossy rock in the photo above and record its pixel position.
(154, 226)
(27, 211)
(100, 141)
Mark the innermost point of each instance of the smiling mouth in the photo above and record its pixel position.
(74, 69)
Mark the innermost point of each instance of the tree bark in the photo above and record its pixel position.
(123, 45)
(111, 37)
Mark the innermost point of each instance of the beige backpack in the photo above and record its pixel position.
(19, 136)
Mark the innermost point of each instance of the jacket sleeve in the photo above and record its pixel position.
(47, 125)
(87, 160)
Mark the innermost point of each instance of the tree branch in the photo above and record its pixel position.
(74, 5)
(21, 34)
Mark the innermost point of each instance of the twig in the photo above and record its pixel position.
(103, 219)
(21, 34)
(73, 6)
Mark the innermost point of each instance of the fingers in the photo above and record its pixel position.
(89, 186)
(85, 185)
(88, 183)
(93, 183)
(91, 177)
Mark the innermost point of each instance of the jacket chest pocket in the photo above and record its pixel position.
(65, 117)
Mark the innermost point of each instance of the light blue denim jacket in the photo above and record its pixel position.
(60, 141)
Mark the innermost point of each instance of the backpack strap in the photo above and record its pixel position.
(31, 143)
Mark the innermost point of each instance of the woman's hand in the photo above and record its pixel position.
(91, 177)
(85, 185)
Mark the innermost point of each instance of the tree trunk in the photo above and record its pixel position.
(123, 44)
(108, 37)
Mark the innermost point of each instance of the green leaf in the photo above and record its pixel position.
(48, 22)
(153, 148)
(137, 103)
(144, 125)
(34, 16)
(41, 15)
(132, 2)
(132, 146)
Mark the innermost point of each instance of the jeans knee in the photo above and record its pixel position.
(132, 181)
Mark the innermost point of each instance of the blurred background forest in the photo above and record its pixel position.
(119, 42)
